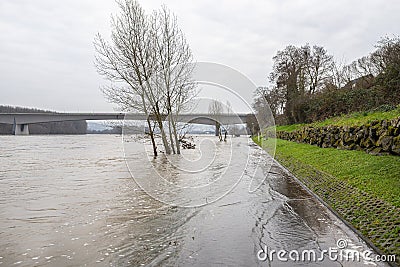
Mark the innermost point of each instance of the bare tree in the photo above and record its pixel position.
(229, 111)
(144, 52)
(174, 56)
(129, 60)
(387, 53)
(341, 73)
(336, 77)
(317, 65)
(288, 77)
(271, 96)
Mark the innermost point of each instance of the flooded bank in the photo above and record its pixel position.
(71, 201)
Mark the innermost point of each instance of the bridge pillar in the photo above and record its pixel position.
(21, 129)
(217, 128)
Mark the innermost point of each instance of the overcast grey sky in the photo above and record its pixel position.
(46, 50)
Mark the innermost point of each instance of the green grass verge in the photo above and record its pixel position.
(377, 175)
(353, 119)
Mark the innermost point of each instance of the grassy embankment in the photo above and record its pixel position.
(364, 189)
(353, 119)
(377, 175)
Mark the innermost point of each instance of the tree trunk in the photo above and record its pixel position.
(153, 141)
(151, 133)
(217, 128)
(178, 148)
(164, 136)
(170, 135)
(159, 120)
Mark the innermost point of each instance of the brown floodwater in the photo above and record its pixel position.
(72, 201)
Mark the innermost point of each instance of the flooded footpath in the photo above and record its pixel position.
(71, 201)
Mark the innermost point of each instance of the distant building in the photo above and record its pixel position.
(362, 82)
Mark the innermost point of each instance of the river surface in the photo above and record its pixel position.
(71, 201)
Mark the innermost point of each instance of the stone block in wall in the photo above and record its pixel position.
(396, 145)
(375, 151)
(360, 135)
(366, 143)
(391, 131)
(396, 123)
(384, 124)
(375, 122)
(385, 142)
(373, 134)
(351, 146)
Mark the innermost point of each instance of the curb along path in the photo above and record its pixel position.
(375, 219)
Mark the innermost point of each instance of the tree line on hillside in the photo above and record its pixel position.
(113, 130)
(308, 84)
(66, 127)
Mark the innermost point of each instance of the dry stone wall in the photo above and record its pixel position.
(378, 137)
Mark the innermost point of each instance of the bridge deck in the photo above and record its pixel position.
(30, 118)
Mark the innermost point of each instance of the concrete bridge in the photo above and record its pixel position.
(21, 121)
